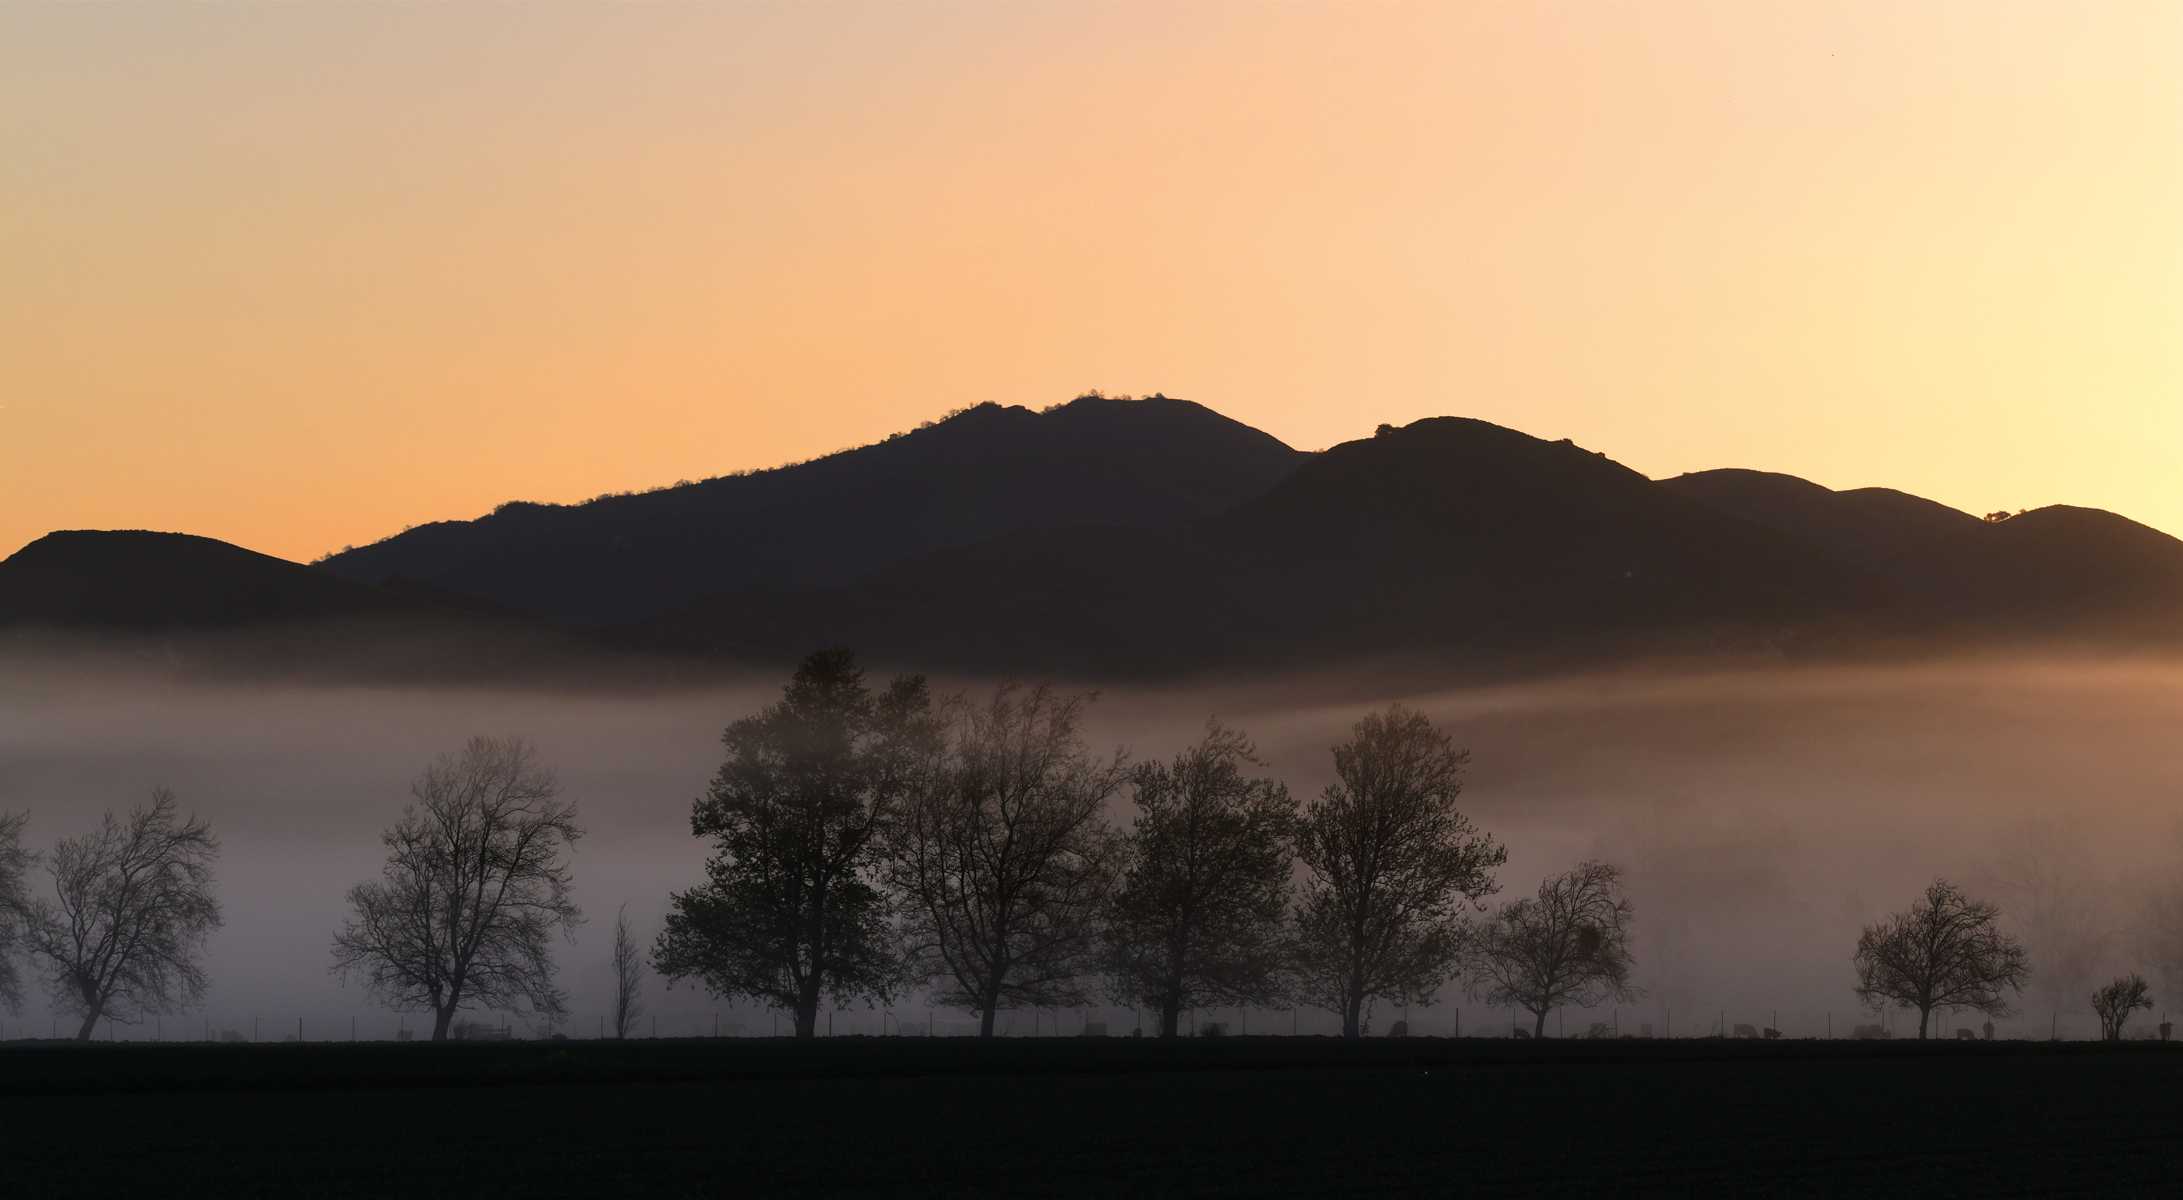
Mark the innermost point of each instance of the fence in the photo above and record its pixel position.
(1437, 1021)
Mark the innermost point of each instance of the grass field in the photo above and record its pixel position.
(1095, 1117)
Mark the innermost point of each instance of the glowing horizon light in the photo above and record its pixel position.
(300, 277)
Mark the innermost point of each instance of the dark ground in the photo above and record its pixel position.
(1058, 1117)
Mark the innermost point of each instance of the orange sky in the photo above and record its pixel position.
(299, 276)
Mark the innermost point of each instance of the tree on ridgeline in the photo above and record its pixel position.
(1197, 918)
(122, 932)
(1002, 858)
(1568, 945)
(628, 976)
(1948, 951)
(1393, 868)
(2122, 995)
(474, 888)
(793, 910)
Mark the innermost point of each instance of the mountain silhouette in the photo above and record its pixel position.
(2055, 571)
(1448, 537)
(142, 581)
(1111, 539)
(981, 473)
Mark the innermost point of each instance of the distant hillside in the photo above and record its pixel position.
(149, 582)
(1448, 536)
(1133, 540)
(979, 474)
(2060, 570)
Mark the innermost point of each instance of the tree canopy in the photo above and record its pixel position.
(1198, 915)
(1393, 868)
(793, 908)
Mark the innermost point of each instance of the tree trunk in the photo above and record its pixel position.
(1353, 1018)
(1170, 1013)
(1925, 1016)
(1538, 1033)
(90, 1023)
(441, 1019)
(807, 1008)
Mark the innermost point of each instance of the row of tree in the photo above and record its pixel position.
(867, 845)
(871, 845)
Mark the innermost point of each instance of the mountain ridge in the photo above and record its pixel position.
(1451, 545)
(979, 473)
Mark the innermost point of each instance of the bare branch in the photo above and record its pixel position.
(1570, 945)
(123, 932)
(1003, 859)
(474, 888)
(628, 976)
(1946, 952)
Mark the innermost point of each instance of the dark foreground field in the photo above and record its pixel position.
(1229, 1117)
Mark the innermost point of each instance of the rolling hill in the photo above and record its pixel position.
(1449, 537)
(2059, 571)
(1110, 539)
(979, 474)
(141, 581)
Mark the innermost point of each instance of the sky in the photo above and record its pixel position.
(299, 276)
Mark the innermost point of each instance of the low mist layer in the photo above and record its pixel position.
(1764, 816)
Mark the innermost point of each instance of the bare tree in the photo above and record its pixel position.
(1003, 860)
(628, 976)
(15, 910)
(463, 914)
(2115, 1002)
(1393, 867)
(793, 908)
(132, 905)
(1947, 951)
(1570, 945)
(1197, 919)
(2056, 902)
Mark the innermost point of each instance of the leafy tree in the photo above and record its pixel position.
(15, 908)
(792, 910)
(1003, 860)
(1947, 951)
(2123, 995)
(131, 908)
(1393, 867)
(1197, 918)
(1570, 945)
(474, 888)
(628, 976)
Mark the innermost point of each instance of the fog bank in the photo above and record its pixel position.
(1764, 816)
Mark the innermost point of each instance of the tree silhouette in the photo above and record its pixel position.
(2115, 1002)
(628, 976)
(15, 908)
(131, 907)
(1569, 945)
(1197, 918)
(1003, 860)
(792, 910)
(474, 888)
(1947, 951)
(1393, 867)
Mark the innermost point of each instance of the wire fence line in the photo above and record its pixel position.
(1436, 1021)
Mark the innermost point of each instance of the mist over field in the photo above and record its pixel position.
(1764, 815)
